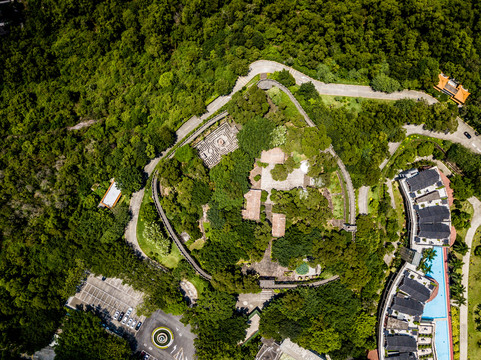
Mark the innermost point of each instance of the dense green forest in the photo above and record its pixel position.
(141, 68)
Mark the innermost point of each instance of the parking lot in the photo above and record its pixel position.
(108, 296)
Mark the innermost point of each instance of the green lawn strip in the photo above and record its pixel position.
(410, 141)
(200, 284)
(141, 223)
(455, 318)
(173, 258)
(211, 98)
(335, 186)
(279, 97)
(373, 196)
(338, 206)
(254, 80)
(474, 299)
(398, 200)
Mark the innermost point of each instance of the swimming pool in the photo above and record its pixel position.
(437, 308)
(442, 341)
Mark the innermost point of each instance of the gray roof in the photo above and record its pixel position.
(402, 356)
(415, 289)
(433, 214)
(407, 306)
(401, 343)
(423, 180)
(434, 231)
(433, 195)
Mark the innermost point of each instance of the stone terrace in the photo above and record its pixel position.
(219, 142)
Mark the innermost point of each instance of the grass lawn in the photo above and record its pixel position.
(455, 323)
(474, 299)
(200, 284)
(140, 221)
(373, 200)
(343, 101)
(398, 200)
(280, 97)
(197, 245)
(172, 259)
(335, 186)
(338, 207)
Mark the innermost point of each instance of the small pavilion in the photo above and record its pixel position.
(455, 91)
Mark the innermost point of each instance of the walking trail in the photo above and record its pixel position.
(475, 223)
(266, 66)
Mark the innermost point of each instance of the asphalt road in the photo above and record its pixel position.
(181, 349)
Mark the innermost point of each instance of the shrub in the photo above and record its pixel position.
(257, 177)
(279, 173)
(285, 78)
(384, 83)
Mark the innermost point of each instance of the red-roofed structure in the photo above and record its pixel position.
(449, 191)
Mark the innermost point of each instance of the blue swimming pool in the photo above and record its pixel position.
(441, 340)
(437, 308)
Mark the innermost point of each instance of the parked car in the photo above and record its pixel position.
(130, 321)
(116, 315)
(467, 135)
(121, 316)
(133, 324)
(139, 324)
(125, 319)
(146, 356)
(129, 311)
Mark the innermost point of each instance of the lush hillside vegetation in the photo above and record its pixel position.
(141, 68)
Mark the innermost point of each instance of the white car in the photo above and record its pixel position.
(133, 324)
(116, 315)
(125, 319)
(129, 311)
(130, 322)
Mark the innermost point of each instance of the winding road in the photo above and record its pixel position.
(266, 66)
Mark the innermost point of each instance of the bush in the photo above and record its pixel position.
(257, 177)
(184, 154)
(302, 269)
(308, 91)
(477, 250)
(324, 74)
(279, 173)
(285, 78)
(384, 83)
(264, 195)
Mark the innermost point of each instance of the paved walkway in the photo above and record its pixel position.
(266, 66)
(362, 201)
(475, 223)
(172, 233)
(267, 84)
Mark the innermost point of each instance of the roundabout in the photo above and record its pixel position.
(162, 337)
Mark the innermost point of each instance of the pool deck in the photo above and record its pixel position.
(442, 318)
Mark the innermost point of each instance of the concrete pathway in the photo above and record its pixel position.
(475, 223)
(266, 66)
(363, 201)
(391, 192)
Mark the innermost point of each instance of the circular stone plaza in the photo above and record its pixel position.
(162, 337)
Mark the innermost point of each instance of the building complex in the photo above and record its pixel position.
(415, 318)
